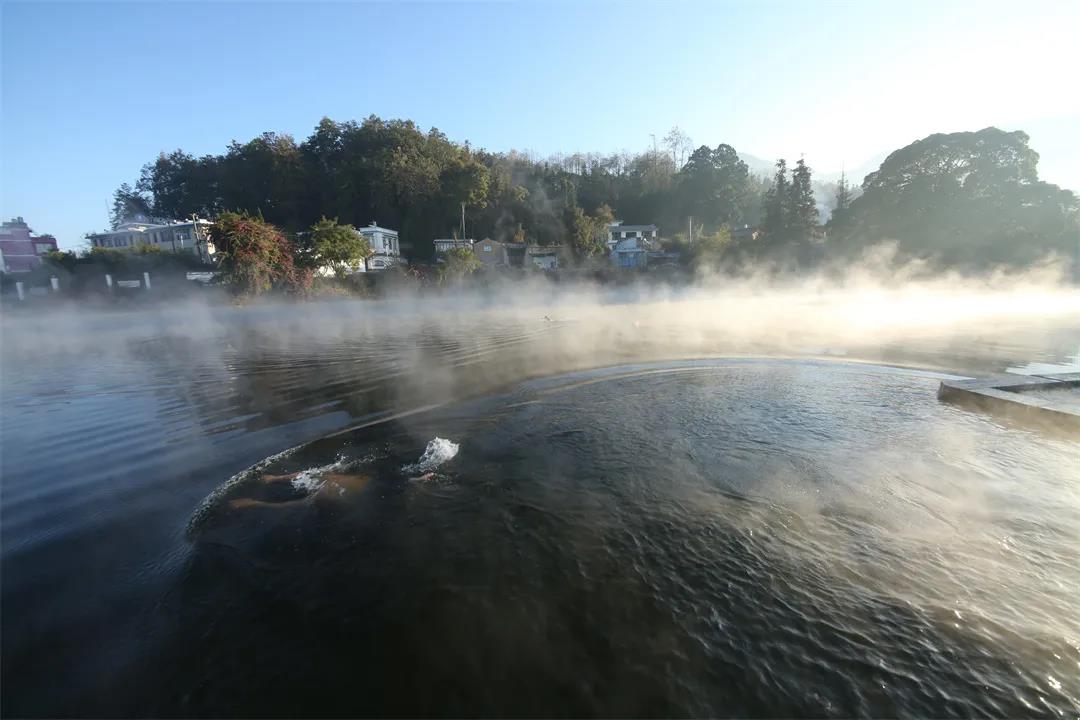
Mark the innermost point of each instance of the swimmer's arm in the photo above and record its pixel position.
(277, 478)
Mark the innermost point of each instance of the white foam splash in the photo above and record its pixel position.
(312, 479)
(435, 454)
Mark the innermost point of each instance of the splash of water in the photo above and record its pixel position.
(435, 454)
(311, 479)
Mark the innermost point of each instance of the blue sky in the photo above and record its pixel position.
(91, 91)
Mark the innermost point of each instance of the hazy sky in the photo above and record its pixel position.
(93, 91)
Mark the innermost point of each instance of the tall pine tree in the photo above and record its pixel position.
(801, 214)
(843, 194)
(840, 219)
(775, 226)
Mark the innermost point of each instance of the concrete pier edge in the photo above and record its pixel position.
(1005, 397)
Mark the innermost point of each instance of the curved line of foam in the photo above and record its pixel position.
(203, 509)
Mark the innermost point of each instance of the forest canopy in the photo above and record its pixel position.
(965, 199)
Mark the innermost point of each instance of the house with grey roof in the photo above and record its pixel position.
(617, 231)
(629, 245)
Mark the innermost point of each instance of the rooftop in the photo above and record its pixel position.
(374, 227)
(134, 225)
(620, 227)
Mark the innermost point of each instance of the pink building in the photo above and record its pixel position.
(20, 249)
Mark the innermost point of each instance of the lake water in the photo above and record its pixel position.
(649, 512)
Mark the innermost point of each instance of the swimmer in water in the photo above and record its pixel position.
(332, 485)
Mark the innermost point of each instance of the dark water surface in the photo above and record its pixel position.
(775, 535)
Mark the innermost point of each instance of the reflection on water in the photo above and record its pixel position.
(113, 437)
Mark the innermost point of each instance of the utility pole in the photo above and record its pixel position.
(462, 221)
(691, 236)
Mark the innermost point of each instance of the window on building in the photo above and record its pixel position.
(42, 248)
(487, 248)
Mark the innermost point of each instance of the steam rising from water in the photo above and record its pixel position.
(868, 303)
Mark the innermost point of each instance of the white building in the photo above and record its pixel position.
(630, 245)
(180, 236)
(444, 244)
(385, 247)
(617, 231)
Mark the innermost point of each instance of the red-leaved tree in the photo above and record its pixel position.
(255, 257)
